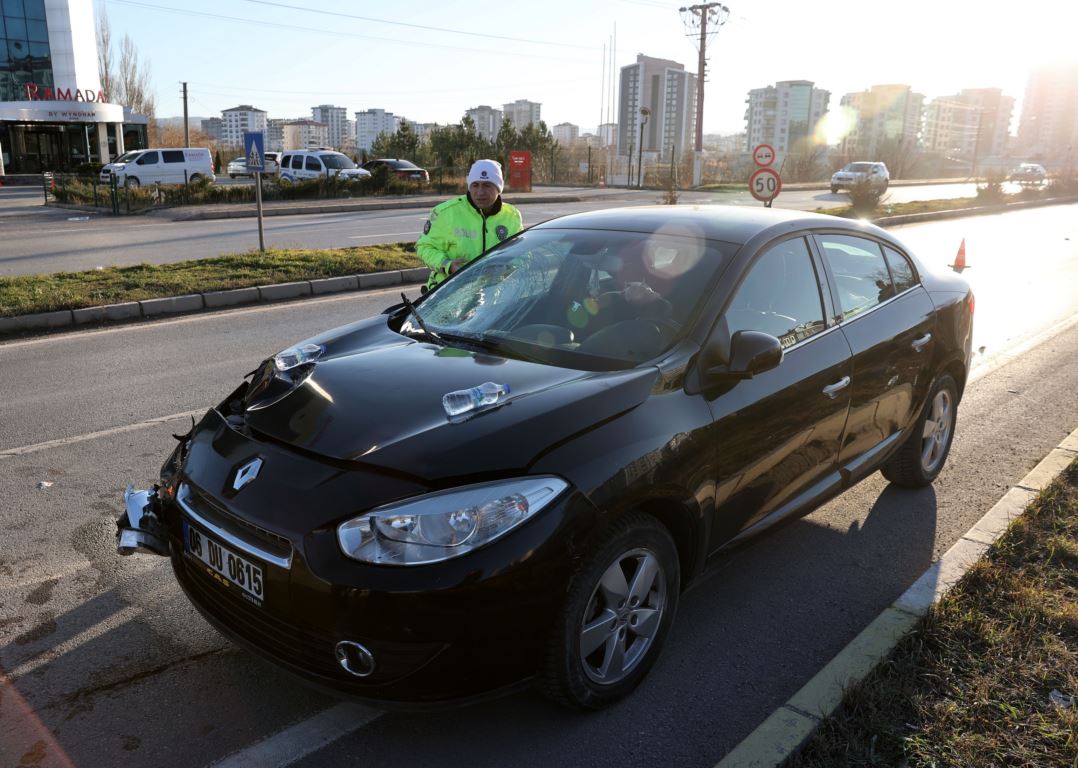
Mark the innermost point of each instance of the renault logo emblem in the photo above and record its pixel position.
(246, 474)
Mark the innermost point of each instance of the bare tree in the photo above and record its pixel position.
(105, 68)
(127, 81)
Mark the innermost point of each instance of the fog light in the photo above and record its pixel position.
(354, 658)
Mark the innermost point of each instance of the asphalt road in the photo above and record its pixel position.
(39, 239)
(103, 662)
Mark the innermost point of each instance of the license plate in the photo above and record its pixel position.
(224, 565)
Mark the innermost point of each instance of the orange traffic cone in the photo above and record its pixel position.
(960, 259)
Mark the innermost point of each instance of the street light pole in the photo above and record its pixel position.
(644, 112)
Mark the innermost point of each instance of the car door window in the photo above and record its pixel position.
(780, 295)
(861, 274)
(297, 162)
(286, 161)
(150, 158)
(313, 164)
(172, 155)
(901, 270)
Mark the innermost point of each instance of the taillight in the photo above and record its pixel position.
(972, 302)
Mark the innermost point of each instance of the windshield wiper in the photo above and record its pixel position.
(487, 344)
(415, 313)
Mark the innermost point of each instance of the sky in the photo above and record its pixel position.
(430, 61)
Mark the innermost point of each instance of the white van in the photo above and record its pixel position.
(300, 164)
(166, 166)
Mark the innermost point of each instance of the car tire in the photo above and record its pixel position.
(132, 182)
(834, 190)
(631, 629)
(231, 175)
(195, 178)
(919, 461)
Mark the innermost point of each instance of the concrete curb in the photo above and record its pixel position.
(132, 310)
(788, 728)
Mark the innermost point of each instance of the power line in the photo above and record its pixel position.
(416, 26)
(334, 32)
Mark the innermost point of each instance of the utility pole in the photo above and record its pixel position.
(186, 136)
(705, 15)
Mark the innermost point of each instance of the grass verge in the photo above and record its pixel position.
(27, 294)
(990, 676)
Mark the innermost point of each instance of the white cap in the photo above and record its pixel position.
(486, 170)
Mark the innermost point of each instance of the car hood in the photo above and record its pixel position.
(378, 402)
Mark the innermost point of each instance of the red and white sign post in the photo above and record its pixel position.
(765, 183)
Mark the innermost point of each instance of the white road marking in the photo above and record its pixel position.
(301, 739)
(8, 453)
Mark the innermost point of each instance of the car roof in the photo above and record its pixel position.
(728, 223)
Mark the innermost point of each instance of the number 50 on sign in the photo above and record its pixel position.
(765, 184)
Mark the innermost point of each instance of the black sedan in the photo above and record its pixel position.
(515, 477)
(402, 169)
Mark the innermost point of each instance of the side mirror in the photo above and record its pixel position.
(753, 352)
(743, 356)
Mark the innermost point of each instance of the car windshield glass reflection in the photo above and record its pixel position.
(337, 161)
(577, 298)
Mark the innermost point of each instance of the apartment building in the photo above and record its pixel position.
(668, 92)
(372, 123)
(522, 112)
(884, 115)
(336, 121)
(785, 115)
(239, 120)
(488, 121)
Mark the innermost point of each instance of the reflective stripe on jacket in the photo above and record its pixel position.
(457, 230)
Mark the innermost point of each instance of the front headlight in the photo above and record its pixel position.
(446, 524)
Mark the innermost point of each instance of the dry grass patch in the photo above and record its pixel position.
(990, 677)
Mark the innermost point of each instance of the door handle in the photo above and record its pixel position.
(919, 344)
(831, 390)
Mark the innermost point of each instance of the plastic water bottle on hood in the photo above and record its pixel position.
(465, 400)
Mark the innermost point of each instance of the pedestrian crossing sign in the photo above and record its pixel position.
(254, 149)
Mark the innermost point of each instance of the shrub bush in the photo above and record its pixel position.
(991, 190)
(864, 197)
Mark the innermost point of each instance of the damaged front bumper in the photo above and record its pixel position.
(140, 528)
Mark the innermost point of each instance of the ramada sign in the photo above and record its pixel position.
(47, 93)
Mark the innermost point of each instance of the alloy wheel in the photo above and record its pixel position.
(623, 616)
(937, 431)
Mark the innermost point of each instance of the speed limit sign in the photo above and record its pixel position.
(765, 184)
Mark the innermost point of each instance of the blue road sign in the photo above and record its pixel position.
(254, 149)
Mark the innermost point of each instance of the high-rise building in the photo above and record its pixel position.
(422, 130)
(608, 134)
(1048, 129)
(669, 93)
(785, 115)
(54, 114)
(522, 112)
(275, 134)
(336, 121)
(973, 121)
(302, 134)
(239, 120)
(372, 123)
(488, 121)
(885, 115)
(565, 133)
(213, 127)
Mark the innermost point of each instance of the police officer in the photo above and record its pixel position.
(459, 230)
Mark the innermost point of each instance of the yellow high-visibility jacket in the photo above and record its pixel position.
(457, 230)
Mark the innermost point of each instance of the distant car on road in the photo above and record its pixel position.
(237, 166)
(874, 174)
(404, 169)
(300, 164)
(1029, 173)
(141, 167)
(518, 474)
